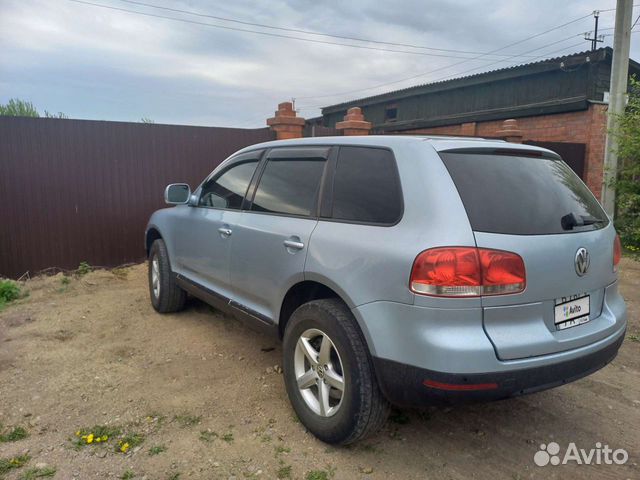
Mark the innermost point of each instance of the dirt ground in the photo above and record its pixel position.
(205, 396)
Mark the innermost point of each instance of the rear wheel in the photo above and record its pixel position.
(329, 374)
(166, 295)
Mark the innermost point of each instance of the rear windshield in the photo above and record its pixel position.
(522, 195)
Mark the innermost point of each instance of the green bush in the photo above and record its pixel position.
(627, 183)
(9, 291)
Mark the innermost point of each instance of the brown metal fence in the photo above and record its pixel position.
(78, 190)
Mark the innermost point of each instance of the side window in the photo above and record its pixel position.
(366, 186)
(290, 182)
(228, 189)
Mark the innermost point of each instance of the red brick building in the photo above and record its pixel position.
(559, 103)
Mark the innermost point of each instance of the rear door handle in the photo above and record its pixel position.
(294, 244)
(225, 231)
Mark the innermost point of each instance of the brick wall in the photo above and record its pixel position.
(587, 126)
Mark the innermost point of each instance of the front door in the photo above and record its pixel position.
(204, 247)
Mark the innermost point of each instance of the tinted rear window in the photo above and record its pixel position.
(521, 195)
(366, 187)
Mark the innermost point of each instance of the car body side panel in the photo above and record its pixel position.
(373, 263)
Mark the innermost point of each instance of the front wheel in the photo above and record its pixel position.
(329, 374)
(166, 295)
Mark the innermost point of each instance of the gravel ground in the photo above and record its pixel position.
(197, 395)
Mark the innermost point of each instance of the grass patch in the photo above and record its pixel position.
(634, 337)
(280, 449)
(65, 280)
(284, 472)
(128, 475)
(120, 273)
(187, 420)
(207, 436)
(17, 433)
(7, 464)
(175, 476)
(227, 437)
(38, 473)
(318, 475)
(157, 450)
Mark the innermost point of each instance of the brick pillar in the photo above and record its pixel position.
(286, 124)
(354, 123)
(510, 131)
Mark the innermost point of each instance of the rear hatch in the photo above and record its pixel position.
(531, 203)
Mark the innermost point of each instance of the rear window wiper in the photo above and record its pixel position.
(571, 220)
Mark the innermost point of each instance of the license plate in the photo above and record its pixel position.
(571, 313)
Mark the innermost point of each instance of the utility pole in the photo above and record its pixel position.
(617, 99)
(595, 40)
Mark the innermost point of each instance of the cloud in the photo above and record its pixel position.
(103, 64)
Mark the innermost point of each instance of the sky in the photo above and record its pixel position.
(101, 63)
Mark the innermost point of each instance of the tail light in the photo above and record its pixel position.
(467, 272)
(617, 252)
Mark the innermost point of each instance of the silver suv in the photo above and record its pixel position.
(403, 270)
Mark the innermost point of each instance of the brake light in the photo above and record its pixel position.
(467, 272)
(617, 252)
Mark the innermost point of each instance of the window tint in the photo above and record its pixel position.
(289, 185)
(522, 195)
(366, 187)
(228, 189)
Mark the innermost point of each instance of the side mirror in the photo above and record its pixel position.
(177, 194)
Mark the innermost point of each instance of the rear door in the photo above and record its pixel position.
(271, 237)
(536, 206)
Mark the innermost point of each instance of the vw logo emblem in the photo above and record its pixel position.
(582, 261)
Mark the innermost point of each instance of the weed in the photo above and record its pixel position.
(65, 280)
(84, 268)
(187, 420)
(634, 337)
(157, 449)
(96, 435)
(18, 433)
(175, 476)
(128, 475)
(7, 464)
(227, 437)
(284, 472)
(130, 440)
(208, 436)
(39, 473)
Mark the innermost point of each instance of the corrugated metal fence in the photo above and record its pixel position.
(78, 190)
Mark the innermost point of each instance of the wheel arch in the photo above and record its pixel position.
(152, 234)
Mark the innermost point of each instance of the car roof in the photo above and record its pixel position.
(439, 143)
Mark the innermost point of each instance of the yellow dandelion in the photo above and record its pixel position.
(78, 433)
(105, 438)
(90, 438)
(124, 448)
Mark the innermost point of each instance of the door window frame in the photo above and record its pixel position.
(256, 155)
(294, 151)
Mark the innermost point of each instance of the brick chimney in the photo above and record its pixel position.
(354, 123)
(510, 131)
(285, 123)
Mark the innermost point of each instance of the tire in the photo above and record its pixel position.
(362, 408)
(168, 297)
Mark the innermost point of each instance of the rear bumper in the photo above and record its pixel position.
(410, 386)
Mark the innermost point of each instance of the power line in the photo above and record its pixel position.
(306, 32)
(269, 34)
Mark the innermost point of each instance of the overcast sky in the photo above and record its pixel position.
(96, 63)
